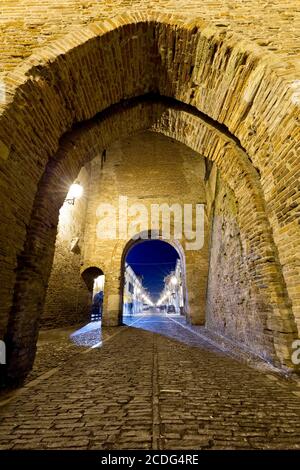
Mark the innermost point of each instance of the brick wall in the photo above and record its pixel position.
(30, 24)
(148, 169)
(236, 308)
(67, 300)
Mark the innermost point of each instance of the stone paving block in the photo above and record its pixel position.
(261, 415)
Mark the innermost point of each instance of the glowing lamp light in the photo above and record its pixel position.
(174, 280)
(75, 192)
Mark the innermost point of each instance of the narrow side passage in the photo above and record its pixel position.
(142, 389)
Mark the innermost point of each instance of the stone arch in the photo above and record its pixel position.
(230, 80)
(85, 143)
(122, 249)
(89, 275)
(241, 96)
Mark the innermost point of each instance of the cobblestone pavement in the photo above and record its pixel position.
(152, 385)
(57, 346)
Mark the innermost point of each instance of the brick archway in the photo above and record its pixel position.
(122, 249)
(81, 146)
(114, 54)
(89, 275)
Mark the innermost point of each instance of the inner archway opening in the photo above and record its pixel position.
(94, 279)
(153, 274)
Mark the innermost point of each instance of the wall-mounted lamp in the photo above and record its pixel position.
(75, 192)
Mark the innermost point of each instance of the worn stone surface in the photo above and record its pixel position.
(56, 346)
(155, 385)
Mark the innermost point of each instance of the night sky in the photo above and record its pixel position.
(153, 259)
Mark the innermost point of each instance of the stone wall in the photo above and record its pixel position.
(148, 169)
(30, 24)
(67, 300)
(236, 308)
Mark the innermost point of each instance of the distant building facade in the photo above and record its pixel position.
(172, 298)
(135, 298)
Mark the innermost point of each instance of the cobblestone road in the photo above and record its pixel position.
(153, 385)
